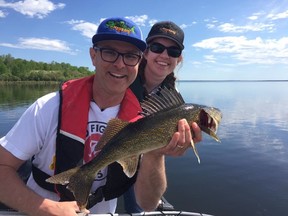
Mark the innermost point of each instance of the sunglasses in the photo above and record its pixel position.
(172, 51)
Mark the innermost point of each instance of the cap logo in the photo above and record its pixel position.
(120, 26)
(166, 30)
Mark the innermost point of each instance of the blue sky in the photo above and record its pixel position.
(224, 39)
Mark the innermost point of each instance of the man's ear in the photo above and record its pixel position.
(93, 56)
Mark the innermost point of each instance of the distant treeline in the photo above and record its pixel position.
(15, 69)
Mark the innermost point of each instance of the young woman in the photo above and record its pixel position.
(163, 55)
(156, 69)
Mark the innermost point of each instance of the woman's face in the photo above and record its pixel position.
(159, 65)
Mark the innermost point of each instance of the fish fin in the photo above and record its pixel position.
(164, 99)
(129, 165)
(195, 151)
(113, 127)
(63, 177)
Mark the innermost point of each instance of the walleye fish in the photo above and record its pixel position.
(123, 142)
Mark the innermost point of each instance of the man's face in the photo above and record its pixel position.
(114, 77)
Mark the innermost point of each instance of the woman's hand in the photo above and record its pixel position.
(183, 139)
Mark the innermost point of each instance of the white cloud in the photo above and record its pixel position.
(256, 16)
(183, 26)
(2, 14)
(210, 26)
(196, 62)
(254, 51)
(212, 20)
(283, 15)
(33, 8)
(257, 22)
(139, 20)
(253, 17)
(210, 58)
(256, 27)
(41, 44)
(87, 29)
(152, 22)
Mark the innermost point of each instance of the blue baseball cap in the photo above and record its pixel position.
(120, 29)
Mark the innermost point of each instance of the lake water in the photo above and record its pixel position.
(246, 174)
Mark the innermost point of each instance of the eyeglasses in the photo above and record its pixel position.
(172, 51)
(110, 55)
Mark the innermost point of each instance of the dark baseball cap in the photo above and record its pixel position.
(122, 29)
(167, 29)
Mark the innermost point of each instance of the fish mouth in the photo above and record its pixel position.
(209, 121)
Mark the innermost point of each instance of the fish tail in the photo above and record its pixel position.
(195, 151)
(80, 185)
(63, 177)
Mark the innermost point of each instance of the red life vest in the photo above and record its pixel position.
(75, 97)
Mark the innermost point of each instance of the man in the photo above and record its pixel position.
(62, 128)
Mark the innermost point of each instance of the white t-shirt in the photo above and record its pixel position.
(35, 134)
